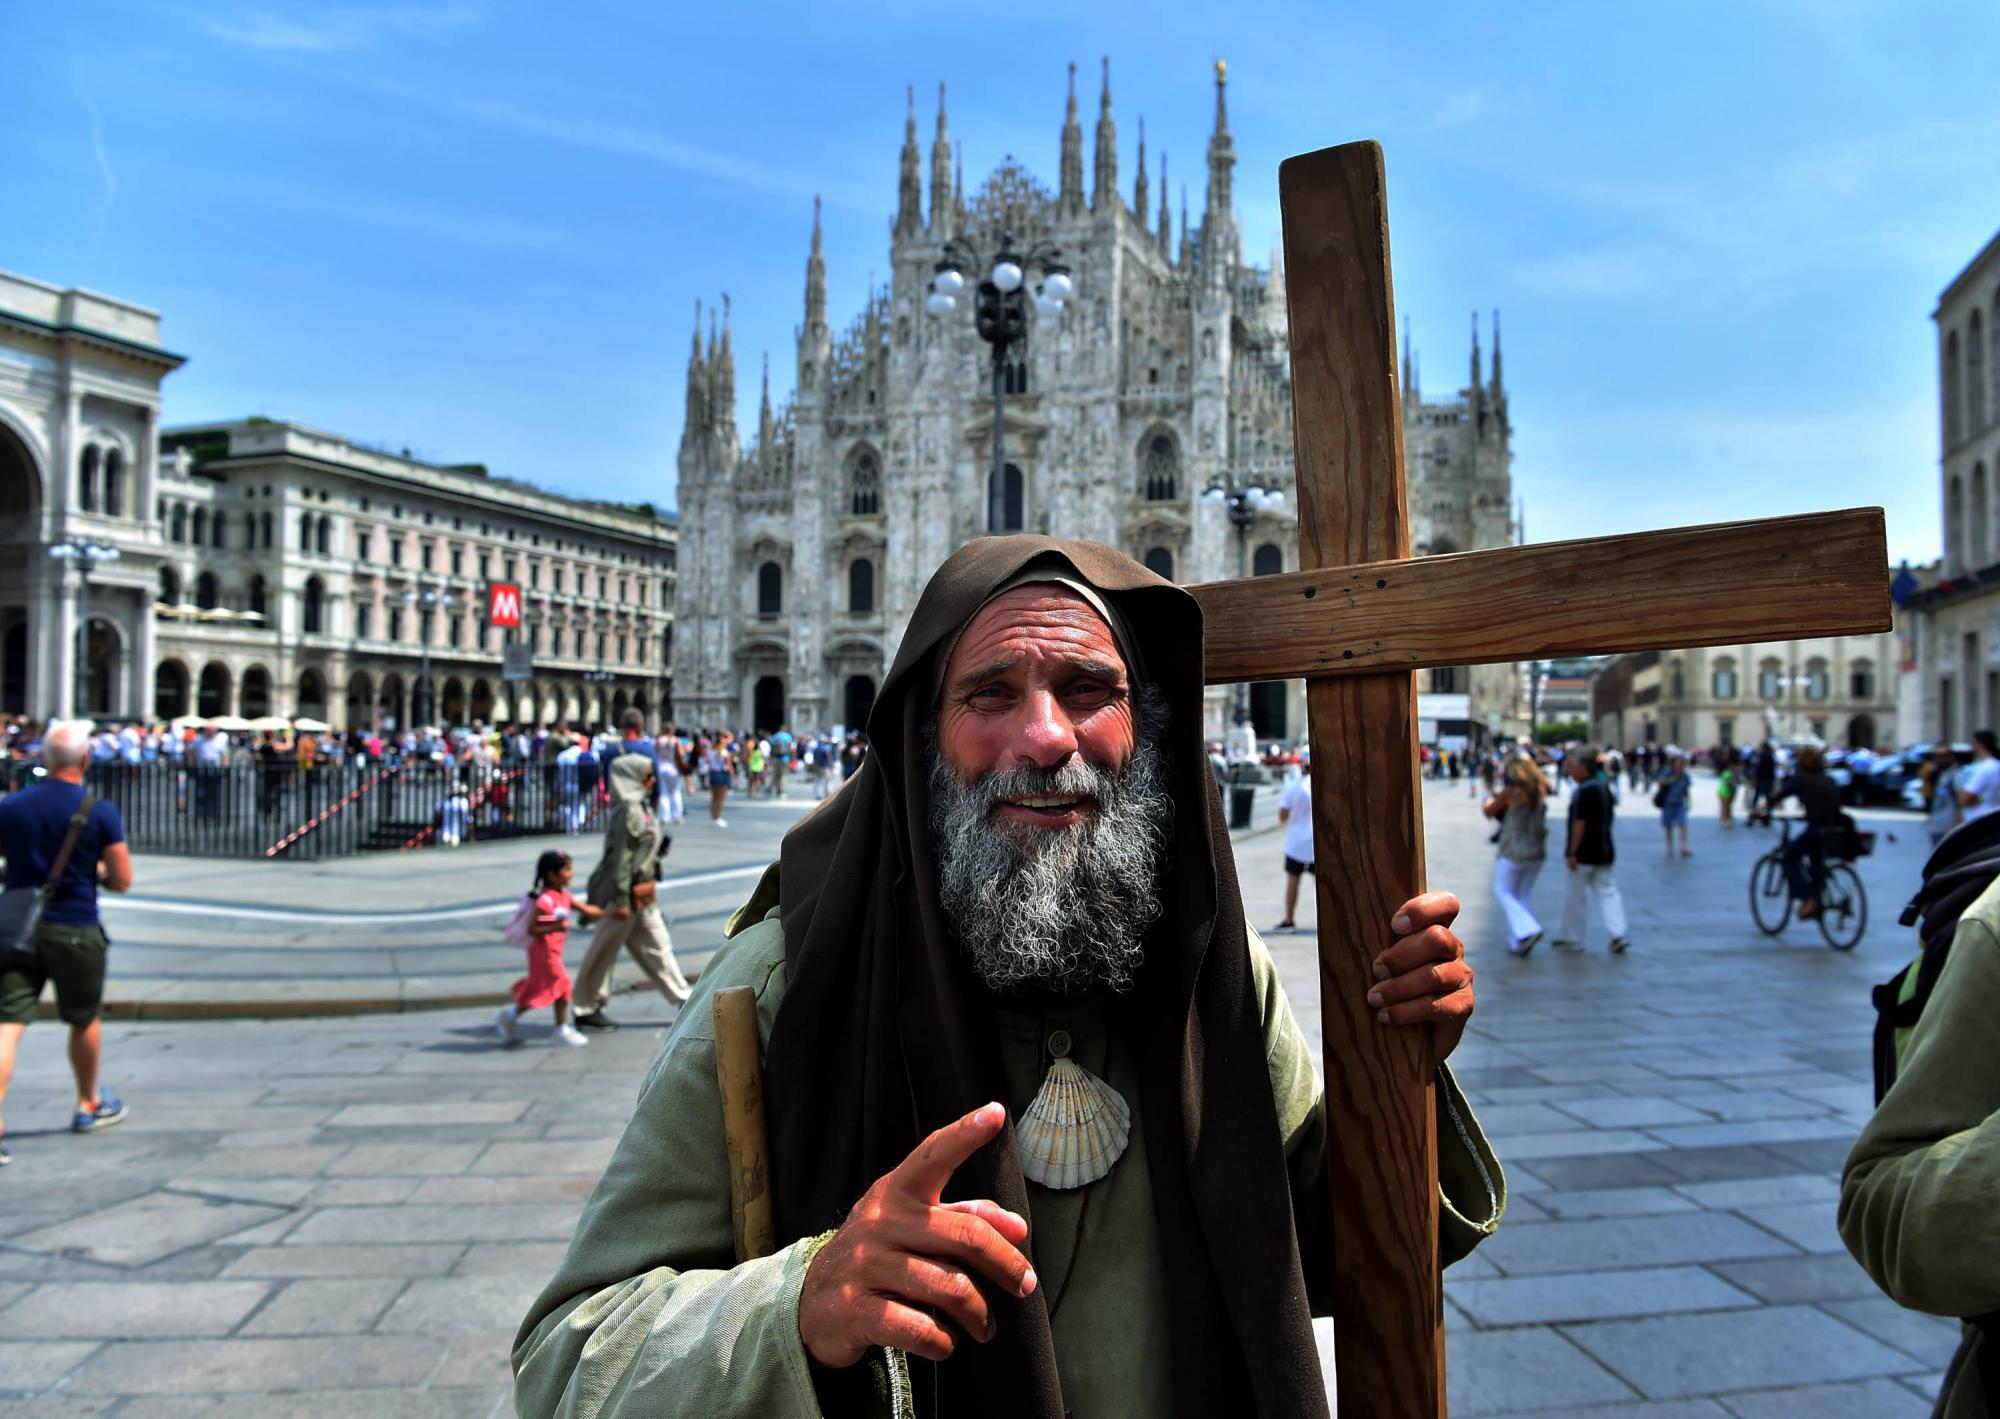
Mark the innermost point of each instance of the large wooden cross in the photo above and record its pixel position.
(1355, 624)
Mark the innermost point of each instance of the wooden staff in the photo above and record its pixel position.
(739, 1070)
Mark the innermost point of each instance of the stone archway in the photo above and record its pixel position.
(857, 701)
(212, 693)
(311, 694)
(170, 690)
(453, 702)
(390, 701)
(767, 704)
(256, 692)
(360, 701)
(482, 701)
(104, 656)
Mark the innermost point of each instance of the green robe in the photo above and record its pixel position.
(1917, 1197)
(650, 1316)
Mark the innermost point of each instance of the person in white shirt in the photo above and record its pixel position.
(1979, 781)
(1295, 811)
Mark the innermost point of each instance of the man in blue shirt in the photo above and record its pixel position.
(70, 946)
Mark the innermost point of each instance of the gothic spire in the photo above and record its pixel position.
(1104, 190)
(1069, 193)
(697, 390)
(1499, 391)
(1141, 198)
(1473, 386)
(941, 173)
(1187, 241)
(816, 277)
(725, 374)
(909, 185)
(766, 430)
(1166, 216)
(1218, 220)
(1409, 385)
(958, 184)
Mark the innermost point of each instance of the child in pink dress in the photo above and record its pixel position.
(547, 981)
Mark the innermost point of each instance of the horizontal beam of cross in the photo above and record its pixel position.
(1735, 583)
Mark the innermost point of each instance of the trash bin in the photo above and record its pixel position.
(1241, 799)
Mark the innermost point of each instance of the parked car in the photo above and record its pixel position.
(1891, 774)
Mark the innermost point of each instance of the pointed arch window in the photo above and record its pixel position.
(1159, 470)
(864, 483)
(770, 589)
(861, 586)
(323, 535)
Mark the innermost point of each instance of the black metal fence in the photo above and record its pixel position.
(255, 809)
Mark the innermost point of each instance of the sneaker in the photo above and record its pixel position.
(1562, 945)
(106, 1111)
(507, 1021)
(596, 1020)
(571, 1036)
(721, 822)
(1618, 945)
(1286, 925)
(1527, 944)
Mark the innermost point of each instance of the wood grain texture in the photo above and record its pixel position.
(739, 1072)
(1821, 574)
(1367, 815)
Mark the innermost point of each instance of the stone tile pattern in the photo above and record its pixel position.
(304, 1217)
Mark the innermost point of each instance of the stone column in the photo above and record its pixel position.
(59, 692)
(72, 441)
(145, 657)
(146, 476)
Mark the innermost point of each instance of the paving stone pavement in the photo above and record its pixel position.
(307, 1216)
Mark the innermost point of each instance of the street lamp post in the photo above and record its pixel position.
(86, 555)
(429, 598)
(1000, 314)
(1244, 501)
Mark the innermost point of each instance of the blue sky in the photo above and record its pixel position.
(477, 228)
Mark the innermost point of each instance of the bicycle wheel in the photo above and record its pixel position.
(1770, 895)
(1843, 907)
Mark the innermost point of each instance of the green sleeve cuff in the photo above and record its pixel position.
(1472, 1190)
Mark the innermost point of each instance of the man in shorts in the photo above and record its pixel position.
(1295, 811)
(70, 946)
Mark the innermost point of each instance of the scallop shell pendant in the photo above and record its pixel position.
(1074, 1131)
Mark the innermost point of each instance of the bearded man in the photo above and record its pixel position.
(1045, 1139)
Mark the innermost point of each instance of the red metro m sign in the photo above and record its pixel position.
(503, 604)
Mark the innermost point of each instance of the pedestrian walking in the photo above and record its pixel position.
(543, 932)
(667, 760)
(1589, 855)
(1522, 808)
(1725, 789)
(1295, 811)
(1763, 783)
(819, 765)
(1940, 779)
(626, 887)
(64, 844)
(781, 760)
(1978, 784)
(714, 764)
(756, 760)
(1671, 798)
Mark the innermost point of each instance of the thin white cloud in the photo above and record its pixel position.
(320, 30)
(100, 151)
(1610, 270)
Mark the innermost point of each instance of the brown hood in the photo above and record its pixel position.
(885, 1035)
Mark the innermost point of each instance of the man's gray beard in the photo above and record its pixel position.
(1062, 910)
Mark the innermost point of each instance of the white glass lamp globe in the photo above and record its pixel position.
(1057, 285)
(1212, 495)
(1274, 499)
(940, 304)
(1007, 277)
(1046, 308)
(949, 282)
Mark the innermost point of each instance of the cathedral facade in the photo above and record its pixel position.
(804, 547)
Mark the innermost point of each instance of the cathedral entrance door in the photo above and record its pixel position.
(858, 701)
(767, 703)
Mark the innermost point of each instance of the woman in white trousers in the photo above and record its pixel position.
(1521, 806)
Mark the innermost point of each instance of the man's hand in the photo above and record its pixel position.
(1422, 979)
(901, 1250)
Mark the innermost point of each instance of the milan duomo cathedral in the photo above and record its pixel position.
(802, 553)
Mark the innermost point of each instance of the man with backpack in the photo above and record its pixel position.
(68, 948)
(1917, 1195)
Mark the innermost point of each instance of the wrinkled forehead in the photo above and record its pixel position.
(1043, 618)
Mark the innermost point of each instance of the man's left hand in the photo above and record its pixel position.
(1423, 979)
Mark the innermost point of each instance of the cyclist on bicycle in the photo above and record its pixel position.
(1805, 855)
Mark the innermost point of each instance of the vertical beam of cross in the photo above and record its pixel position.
(1367, 813)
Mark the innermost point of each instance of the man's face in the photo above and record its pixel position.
(1036, 681)
(1576, 768)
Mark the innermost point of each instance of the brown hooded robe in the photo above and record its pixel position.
(886, 1035)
